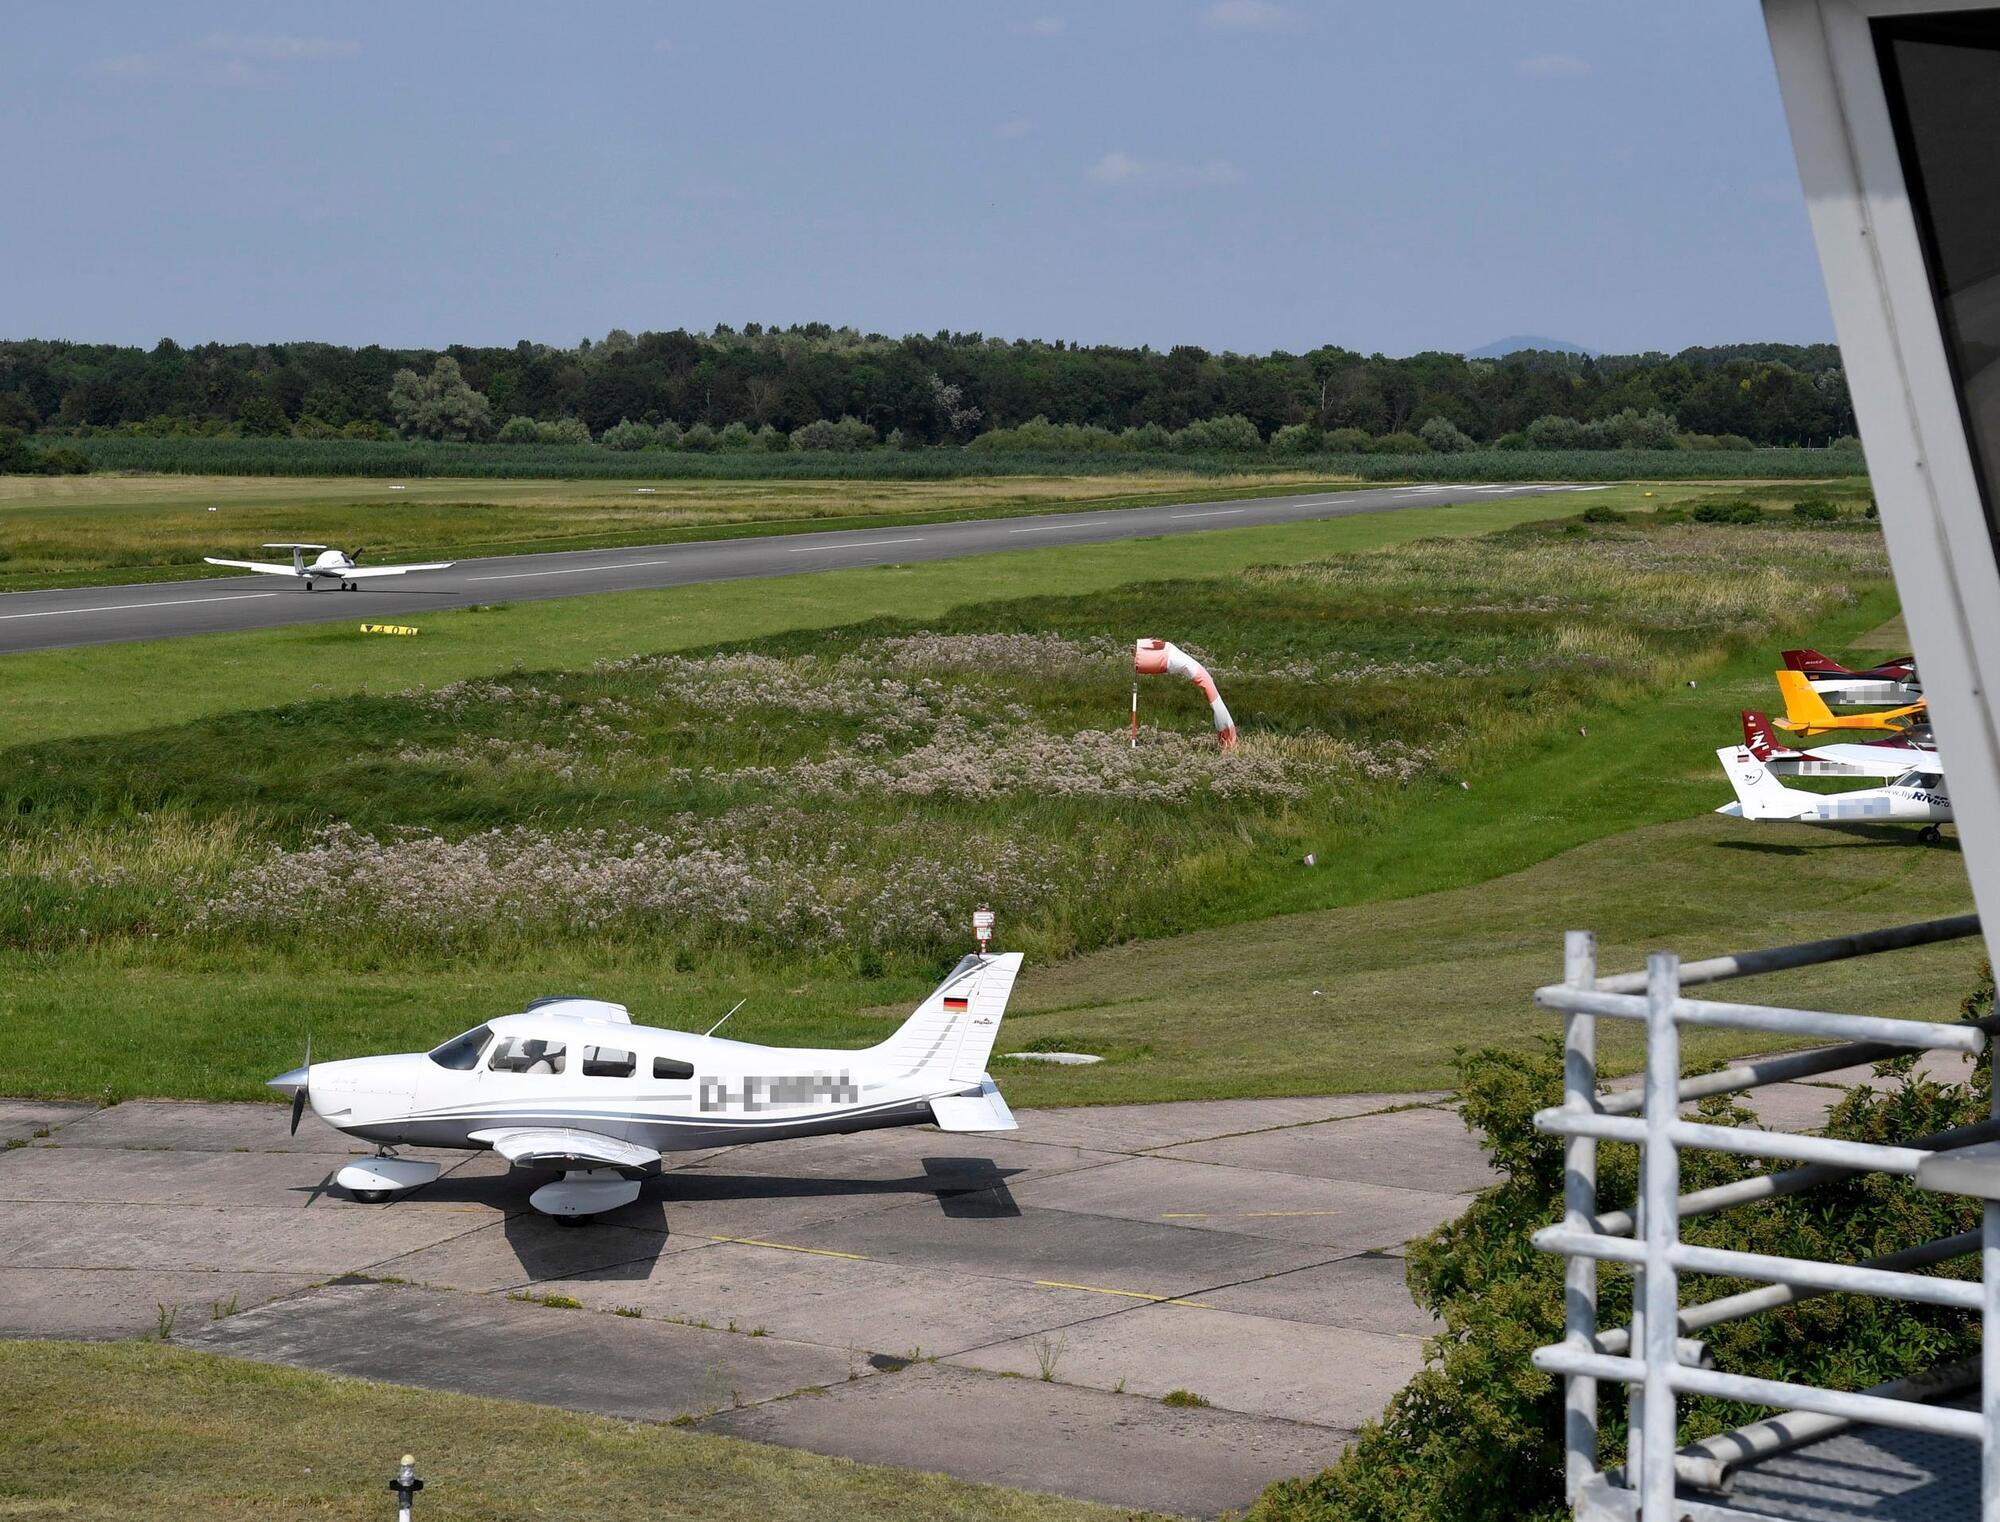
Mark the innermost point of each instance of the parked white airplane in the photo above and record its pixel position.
(1916, 797)
(329, 565)
(1892, 757)
(573, 1084)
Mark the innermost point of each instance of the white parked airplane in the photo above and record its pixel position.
(574, 1084)
(1916, 797)
(329, 565)
(1891, 757)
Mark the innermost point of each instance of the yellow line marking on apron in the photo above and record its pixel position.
(819, 1252)
(1127, 1294)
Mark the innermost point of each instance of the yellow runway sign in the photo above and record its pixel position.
(387, 629)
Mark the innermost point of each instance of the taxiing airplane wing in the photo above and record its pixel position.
(266, 566)
(568, 1147)
(361, 572)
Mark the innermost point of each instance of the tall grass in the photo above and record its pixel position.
(852, 794)
(353, 457)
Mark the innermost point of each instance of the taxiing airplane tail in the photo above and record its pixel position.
(1761, 743)
(1805, 710)
(951, 1034)
(1759, 794)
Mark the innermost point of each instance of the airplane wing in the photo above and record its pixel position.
(567, 1147)
(360, 572)
(265, 566)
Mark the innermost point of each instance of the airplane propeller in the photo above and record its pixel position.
(299, 1095)
(296, 1083)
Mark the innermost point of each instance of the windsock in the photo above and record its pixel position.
(1152, 656)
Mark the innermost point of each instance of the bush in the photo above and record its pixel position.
(770, 441)
(566, 430)
(1147, 436)
(844, 437)
(1599, 513)
(1399, 443)
(1511, 441)
(311, 427)
(1348, 441)
(19, 458)
(1296, 438)
(261, 418)
(1444, 436)
(1552, 431)
(368, 431)
(699, 439)
(735, 438)
(519, 430)
(63, 461)
(625, 434)
(1039, 434)
(1735, 510)
(1816, 510)
(1206, 435)
(667, 435)
(1477, 1435)
(1733, 443)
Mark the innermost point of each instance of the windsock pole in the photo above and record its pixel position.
(1135, 716)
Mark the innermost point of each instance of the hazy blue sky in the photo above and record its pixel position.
(1242, 174)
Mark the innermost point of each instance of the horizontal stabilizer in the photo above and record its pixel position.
(984, 1111)
(568, 1147)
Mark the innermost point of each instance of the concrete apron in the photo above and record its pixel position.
(1007, 1309)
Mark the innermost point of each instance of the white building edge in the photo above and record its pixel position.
(1894, 108)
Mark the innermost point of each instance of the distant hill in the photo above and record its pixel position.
(1502, 347)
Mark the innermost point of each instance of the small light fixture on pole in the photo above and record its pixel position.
(406, 1485)
(982, 927)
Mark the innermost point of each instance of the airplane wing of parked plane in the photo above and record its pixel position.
(569, 1147)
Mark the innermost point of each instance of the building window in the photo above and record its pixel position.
(1941, 77)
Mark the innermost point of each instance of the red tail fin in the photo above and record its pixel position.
(1813, 661)
(1757, 737)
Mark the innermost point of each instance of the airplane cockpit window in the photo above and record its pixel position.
(672, 1067)
(608, 1062)
(527, 1054)
(461, 1053)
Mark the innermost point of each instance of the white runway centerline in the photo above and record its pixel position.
(1220, 512)
(577, 570)
(121, 607)
(872, 544)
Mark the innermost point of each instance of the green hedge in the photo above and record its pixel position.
(398, 459)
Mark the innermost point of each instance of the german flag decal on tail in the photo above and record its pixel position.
(954, 1005)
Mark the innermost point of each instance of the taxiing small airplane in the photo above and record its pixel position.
(1894, 681)
(1891, 757)
(1916, 797)
(329, 565)
(1806, 712)
(573, 1084)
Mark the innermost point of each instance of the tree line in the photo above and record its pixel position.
(816, 386)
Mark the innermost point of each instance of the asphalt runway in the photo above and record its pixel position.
(55, 620)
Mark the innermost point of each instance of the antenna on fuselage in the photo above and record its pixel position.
(725, 1019)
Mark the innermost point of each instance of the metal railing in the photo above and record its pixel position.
(1659, 1357)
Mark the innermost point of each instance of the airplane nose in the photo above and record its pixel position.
(288, 1083)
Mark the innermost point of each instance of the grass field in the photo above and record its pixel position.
(87, 530)
(806, 821)
(135, 1429)
(108, 689)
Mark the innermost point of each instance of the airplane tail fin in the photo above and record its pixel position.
(1805, 710)
(1812, 661)
(950, 1035)
(1759, 794)
(1760, 742)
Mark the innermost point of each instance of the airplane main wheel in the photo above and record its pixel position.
(370, 1196)
(1930, 835)
(571, 1220)
(309, 586)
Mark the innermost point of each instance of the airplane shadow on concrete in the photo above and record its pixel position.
(965, 1188)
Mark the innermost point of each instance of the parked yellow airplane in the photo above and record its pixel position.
(1806, 712)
